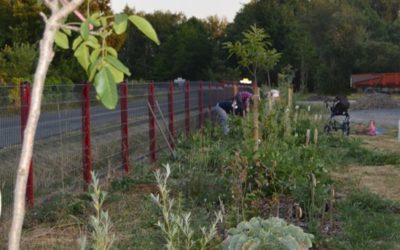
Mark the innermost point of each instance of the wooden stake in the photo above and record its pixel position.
(308, 137)
(270, 101)
(290, 97)
(398, 133)
(287, 123)
(315, 136)
(256, 135)
(331, 201)
(289, 111)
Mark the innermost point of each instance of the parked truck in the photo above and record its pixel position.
(376, 82)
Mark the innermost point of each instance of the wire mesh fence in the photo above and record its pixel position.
(77, 134)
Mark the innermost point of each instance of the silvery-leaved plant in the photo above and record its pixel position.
(273, 233)
(100, 223)
(178, 223)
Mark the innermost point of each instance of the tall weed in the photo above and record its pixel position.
(176, 224)
(100, 223)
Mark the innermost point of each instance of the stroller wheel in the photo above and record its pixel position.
(346, 128)
(327, 129)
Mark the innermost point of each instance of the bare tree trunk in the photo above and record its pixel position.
(45, 58)
(269, 79)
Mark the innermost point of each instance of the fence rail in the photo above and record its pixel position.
(76, 134)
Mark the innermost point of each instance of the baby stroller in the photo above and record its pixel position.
(339, 118)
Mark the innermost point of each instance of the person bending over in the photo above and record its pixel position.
(243, 100)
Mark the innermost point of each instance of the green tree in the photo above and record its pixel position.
(16, 65)
(187, 53)
(218, 67)
(254, 53)
(27, 24)
(288, 32)
(5, 20)
(17, 61)
(339, 47)
(139, 54)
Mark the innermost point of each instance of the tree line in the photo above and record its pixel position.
(323, 41)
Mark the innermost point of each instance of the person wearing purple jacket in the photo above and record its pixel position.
(243, 99)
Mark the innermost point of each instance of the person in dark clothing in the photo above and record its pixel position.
(340, 106)
(228, 106)
(219, 114)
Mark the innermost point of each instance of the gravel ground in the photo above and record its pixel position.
(382, 117)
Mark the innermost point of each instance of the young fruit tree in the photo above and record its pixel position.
(253, 52)
(100, 62)
(253, 55)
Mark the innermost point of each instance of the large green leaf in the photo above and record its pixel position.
(93, 68)
(117, 64)
(61, 40)
(105, 88)
(76, 42)
(82, 54)
(144, 26)
(120, 23)
(112, 51)
(94, 55)
(85, 30)
(93, 39)
(94, 45)
(117, 75)
(66, 31)
(94, 19)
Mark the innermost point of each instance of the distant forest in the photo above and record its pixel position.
(324, 41)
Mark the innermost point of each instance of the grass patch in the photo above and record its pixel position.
(369, 222)
(346, 151)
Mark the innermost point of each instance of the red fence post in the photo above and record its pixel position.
(209, 96)
(171, 112)
(201, 104)
(25, 94)
(124, 125)
(152, 124)
(86, 140)
(187, 108)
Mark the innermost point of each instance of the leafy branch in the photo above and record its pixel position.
(98, 59)
(100, 63)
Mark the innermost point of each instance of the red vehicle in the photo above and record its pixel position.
(381, 82)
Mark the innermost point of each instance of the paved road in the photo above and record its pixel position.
(382, 117)
(54, 123)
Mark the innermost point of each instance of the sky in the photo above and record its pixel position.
(197, 8)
